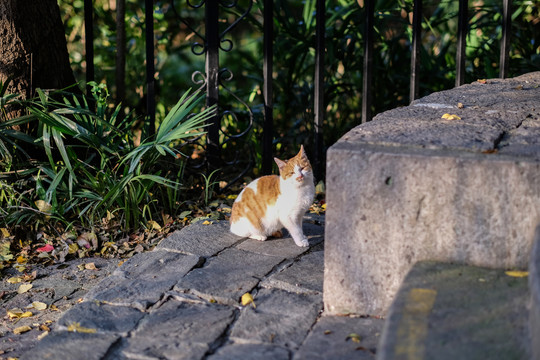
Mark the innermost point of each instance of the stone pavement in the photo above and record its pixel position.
(182, 301)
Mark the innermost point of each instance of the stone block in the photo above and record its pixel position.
(410, 186)
(304, 275)
(199, 239)
(250, 351)
(226, 277)
(331, 338)
(178, 330)
(534, 286)
(280, 318)
(448, 311)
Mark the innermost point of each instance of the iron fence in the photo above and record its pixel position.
(214, 77)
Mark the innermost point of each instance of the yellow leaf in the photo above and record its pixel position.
(5, 232)
(90, 266)
(42, 335)
(14, 280)
(73, 248)
(21, 329)
(323, 207)
(248, 299)
(517, 273)
(354, 337)
(21, 259)
(38, 305)
(232, 197)
(76, 327)
(153, 225)
(18, 314)
(206, 222)
(450, 117)
(43, 206)
(24, 288)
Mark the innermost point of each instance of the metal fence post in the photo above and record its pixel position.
(505, 40)
(368, 61)
(319, 90)
(268, 125)
(212, 78)
(416, 44)
(463, 29)
(150, 69)
(89, 39)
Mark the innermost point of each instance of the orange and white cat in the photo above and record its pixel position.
(271, 203)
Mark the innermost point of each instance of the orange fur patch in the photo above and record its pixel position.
(288, 170)
(252, 205)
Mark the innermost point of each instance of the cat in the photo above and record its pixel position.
(270, 203)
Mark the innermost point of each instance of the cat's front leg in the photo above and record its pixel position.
(295, 229)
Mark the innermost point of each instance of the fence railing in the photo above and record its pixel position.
(212, 42)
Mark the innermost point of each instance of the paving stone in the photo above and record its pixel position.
(226, 277)
(251, 352)
(284, 247)
(71, 346)
(330, 339)
(534, 288)
(144, 279)
(102, 317)
(448, 311)
(281, 318)
(199, 239)
(304, 275)
(178, 330)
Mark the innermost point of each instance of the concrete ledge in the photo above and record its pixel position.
(411, 186)
(534, 286)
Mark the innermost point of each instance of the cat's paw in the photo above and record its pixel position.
(258, 237)
(302, 242)
(278, 234)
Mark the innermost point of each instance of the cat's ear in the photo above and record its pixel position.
(280, 163)
(302, 153)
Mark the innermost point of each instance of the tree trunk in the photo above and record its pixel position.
(33, 49)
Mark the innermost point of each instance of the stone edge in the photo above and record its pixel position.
(534, 286)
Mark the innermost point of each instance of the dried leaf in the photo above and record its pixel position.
(5, 232)
(46, 248)
(519, 87)
(460, 105)
(153, 225)
(517, 273)
(206, 222)
(327, 332)
(17, 313)
(21, 259)
(43, 206)
(38, 305)
(21, 329)
(14, 280)
(43, 334)
(44, 327)
(354, 337)
(450, 117)
(248, 299)
(482, 81)
(24, 288)
(90, 266)
(76, 327)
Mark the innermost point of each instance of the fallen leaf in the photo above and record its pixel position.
(42, 335)
(44, 327)
(21, 329)
(90, 266)
(327, 332)
(153, 225)
(43, 206)
(24, 288)
(46, 248)
(519, 87)
(460, 105)
(76, 327)
(482, 81)
(38, 305)
(21, 259)
(121, 262)
(5, 232)
(54, 308)
(206, 222)
(17, 313)
(248, 299)
(450, 117)
(14, 280)
(517, 273)
(354, 337)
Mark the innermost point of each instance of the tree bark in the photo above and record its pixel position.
(33, 49)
